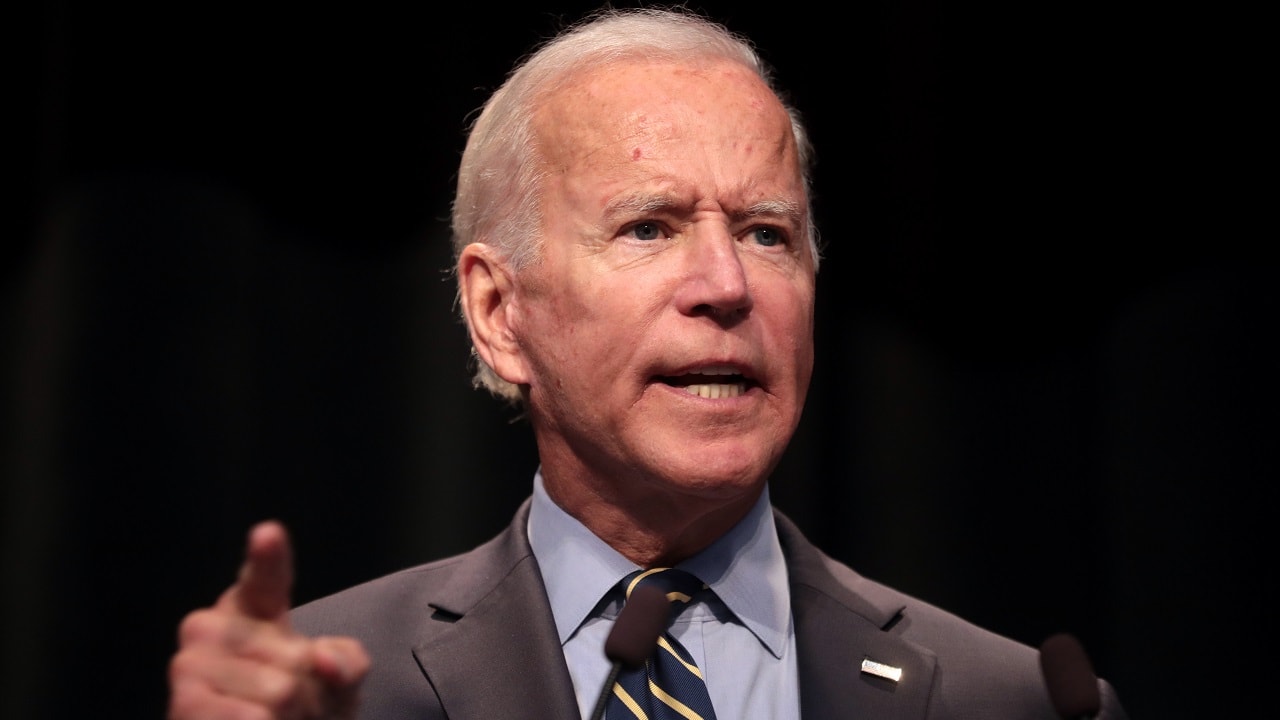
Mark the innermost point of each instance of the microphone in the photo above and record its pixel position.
(1069, 676)
(634, 636)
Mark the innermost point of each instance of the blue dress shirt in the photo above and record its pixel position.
(742, 639)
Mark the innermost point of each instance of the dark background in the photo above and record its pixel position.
(1045, 392)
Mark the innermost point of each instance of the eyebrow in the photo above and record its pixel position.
(643, 202)
(639, 203)
(775, 208)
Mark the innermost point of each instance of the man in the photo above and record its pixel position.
(636, 266)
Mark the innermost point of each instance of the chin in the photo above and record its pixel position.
(716, 475)
(715, 463)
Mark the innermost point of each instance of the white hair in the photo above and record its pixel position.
(500, 177)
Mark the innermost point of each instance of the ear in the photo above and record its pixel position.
(487, 293)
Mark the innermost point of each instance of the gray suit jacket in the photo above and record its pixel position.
(473, 637)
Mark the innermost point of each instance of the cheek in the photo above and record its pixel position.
(564, 341)
(790, 305)
(792, 327)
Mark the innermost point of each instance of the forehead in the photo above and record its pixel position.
(710, 112)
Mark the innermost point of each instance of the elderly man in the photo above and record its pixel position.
(636, 267)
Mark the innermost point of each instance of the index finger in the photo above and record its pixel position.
(266, 578)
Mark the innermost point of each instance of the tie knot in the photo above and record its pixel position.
(679, 586)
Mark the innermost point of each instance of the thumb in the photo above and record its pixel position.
(341, 663)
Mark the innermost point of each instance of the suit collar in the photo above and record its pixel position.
(841, 620)
(493, 626)
(486, 648)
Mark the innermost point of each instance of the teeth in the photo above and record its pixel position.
(713, 391)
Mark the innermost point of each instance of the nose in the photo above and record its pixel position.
(715, 280)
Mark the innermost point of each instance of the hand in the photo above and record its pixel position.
(241, 660)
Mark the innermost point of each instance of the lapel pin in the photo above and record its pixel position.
(888, 672)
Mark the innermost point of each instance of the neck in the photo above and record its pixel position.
(649, 526)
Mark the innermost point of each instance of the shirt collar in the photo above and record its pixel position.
(744, 567)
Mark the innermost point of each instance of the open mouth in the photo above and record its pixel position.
(711, 384)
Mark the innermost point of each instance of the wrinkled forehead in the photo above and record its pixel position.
(595, 108)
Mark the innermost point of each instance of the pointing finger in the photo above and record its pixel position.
(266, 578)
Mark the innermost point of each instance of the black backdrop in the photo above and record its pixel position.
(1045, 385)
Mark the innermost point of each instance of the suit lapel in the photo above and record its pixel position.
(488, 647)
(491, 649)
(840, 622)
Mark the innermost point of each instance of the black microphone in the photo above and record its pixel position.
(634, 636)
(1069, 676)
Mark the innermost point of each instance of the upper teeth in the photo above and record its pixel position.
(716, 390)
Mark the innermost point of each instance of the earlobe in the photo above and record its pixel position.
(486, 292)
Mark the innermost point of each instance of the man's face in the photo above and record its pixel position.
(666, 331)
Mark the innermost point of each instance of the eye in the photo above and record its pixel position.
(647, 230)
(767, 236)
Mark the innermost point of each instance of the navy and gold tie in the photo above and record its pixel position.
(670, 685)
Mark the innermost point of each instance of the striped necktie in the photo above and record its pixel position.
(670, 685)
